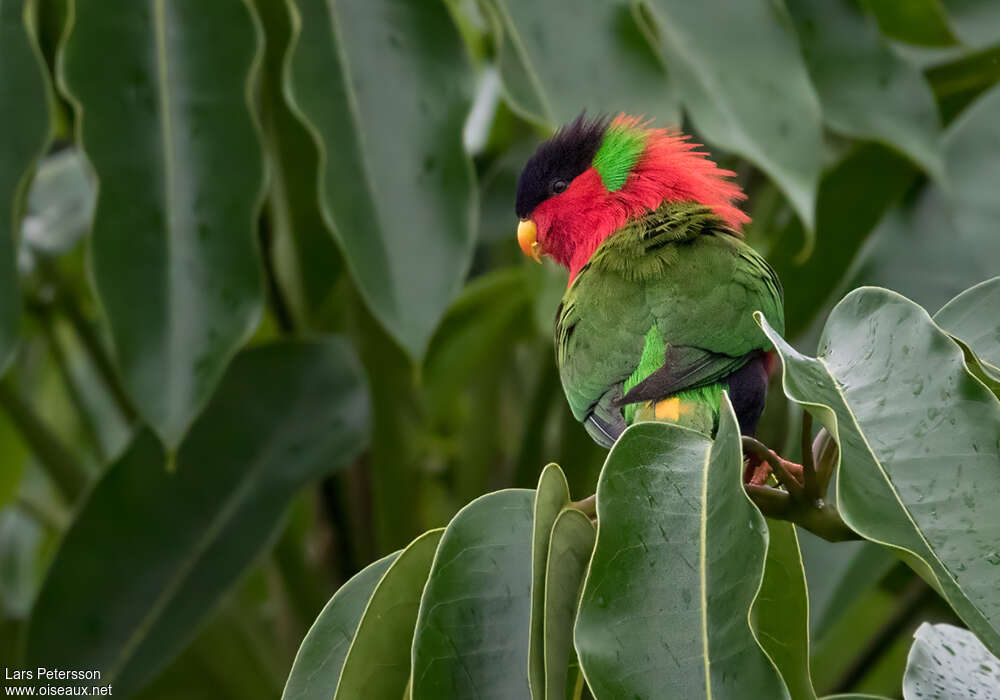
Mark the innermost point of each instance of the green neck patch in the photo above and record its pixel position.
(618, 154)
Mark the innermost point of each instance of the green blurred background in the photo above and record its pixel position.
(277, 171)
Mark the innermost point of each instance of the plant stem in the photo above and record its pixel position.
(47, 324)
(279, 306)
(48, 516)
(810, 481)
(68, 476)
(820, 518)
(90, 342)
(826, 453)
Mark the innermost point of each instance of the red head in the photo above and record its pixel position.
(593, 176)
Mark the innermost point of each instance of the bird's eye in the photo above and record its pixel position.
(559, 186)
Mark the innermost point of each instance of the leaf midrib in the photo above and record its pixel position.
(169, 194)
(224, 515)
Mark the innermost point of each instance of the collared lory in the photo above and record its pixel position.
(657, 319)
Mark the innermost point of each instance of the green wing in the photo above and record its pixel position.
(675, 281)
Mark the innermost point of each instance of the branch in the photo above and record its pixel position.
(802, 504)
(810, 480)
(89, 340)
(66, 473)
(46, 321)
(821, 519)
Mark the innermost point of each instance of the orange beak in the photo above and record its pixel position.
(526, 238)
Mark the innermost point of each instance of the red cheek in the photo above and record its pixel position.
(568, 220)
(572, 225)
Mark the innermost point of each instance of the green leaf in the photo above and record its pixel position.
(854, 696)
(866, 90)
(940, 240)
(321, 657)
(919, 440)
(378, 662)
(781, 610)
(236, 655)
(838, 574)
(917, 251)
(551, 496)
(570, 547)
(679, 559)
(972, 318)
(474, 622)
(395, 184)
(741, 78)
(168, 129)
(970, 148)
(556, 61)
(976, 22)
(921, 22)
(24, 113)
(949, 663)
(493, 312)
(302, 239)
(853, 195)
(21, 538)
(283, 416)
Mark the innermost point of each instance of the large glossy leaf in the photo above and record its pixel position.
(303, 243)
(740, 76)
(474, 622)
(378, 662)
(972, 318)
(492, 313)
(838, 573)
(949, 663)
(395, 184)
(168, 130)
(551, 496)
(919, 439)
(24, 114)
(938, 242)
(236, 655)
(853, 195)
(867, 91)
(781, 610)
(917, 251)
(679, 559)
(320, 658)
(284, 415)
(570, 547)
(556, 61)
(971, 145)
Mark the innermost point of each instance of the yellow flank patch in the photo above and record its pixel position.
(667, 409)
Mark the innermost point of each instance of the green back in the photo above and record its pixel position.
(675, 278)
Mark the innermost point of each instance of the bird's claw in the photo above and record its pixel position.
(800, 490)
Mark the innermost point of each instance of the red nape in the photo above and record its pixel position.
(572, 225)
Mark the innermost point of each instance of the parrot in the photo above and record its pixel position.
(657, 319)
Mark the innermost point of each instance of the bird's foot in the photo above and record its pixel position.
(759, 471)
(799, 491)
